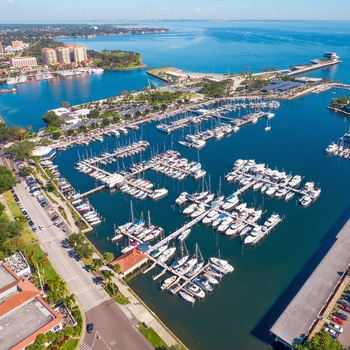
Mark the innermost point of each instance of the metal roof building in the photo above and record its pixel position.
(297, 320)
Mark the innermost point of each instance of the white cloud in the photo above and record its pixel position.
(197, 10)
(10, 1)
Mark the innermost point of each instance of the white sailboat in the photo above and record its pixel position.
(268, 127)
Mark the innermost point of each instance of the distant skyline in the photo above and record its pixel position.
(112, 10)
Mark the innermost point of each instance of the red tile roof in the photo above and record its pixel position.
(25, 292)
(128, 260)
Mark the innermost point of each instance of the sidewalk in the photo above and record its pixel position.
(141, 313)
(7, 210)
(330, 307)
(69, 221)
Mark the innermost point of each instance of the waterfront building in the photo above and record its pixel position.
(80, 54)
(307, 307)
(48, 56)
(62, 54)
(44, 152)
(1, 50)
(17, 44)
(130, 261)
(23, 62)
(23, 313)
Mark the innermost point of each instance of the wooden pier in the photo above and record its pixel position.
(92, 191)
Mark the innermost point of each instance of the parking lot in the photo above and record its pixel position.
(34, 190)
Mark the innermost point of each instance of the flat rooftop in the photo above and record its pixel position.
(20, 323)
(295, 322)
(5, 277)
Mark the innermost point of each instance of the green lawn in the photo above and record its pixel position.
(71, 344)
(27, 234)
(151, 336)
(14, 208)
(121, 299)
(37, 254)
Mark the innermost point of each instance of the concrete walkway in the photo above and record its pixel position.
(58, 202)
(330, 307)
(7, 210)
(136, 309)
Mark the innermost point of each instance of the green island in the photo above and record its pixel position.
(116, 59)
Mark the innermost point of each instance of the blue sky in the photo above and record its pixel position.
(111, 10)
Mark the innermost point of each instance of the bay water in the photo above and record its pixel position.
(240, 311)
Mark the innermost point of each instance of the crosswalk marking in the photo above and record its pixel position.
(84, 346)
(49, 239)
(84, 289)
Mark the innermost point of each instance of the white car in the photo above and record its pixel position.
(41, 227)
(336, 327)
(332, 332)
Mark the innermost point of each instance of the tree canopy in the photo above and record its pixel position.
(9, 133)
(52, 119)
(320, 341)
(21, 150)
(7, 180)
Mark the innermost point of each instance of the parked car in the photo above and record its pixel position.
(41, 227)
(57, 222)
(338, 320)
(344, 307)
(345, 302)
(44, 204)
(336, 327)
(341, 316)
(24, 212)
(31, 223)
(90, 327)
(54, 218)
(34, 229)
(332, 332)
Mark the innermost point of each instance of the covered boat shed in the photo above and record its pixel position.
(298, 319)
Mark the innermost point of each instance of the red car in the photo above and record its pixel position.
(345, 308)
(337, 320)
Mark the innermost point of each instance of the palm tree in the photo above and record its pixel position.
(107, 275)
(117, 268)
(69, 300)
(97, 263)
(108, 256)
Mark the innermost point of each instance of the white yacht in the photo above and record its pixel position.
(187, 297)
(211, 216)
(230, 202)
(195, 290)
(222, 264)
(253, 235)
(166, 255)
(168, 282)
(179, 262)
(184, 235)
(158, 194)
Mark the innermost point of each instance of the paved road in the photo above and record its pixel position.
(112, 330)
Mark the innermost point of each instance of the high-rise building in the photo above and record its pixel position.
(23, 62)
(17, 43)
(1, 50)
(62, 54)
(80, 54)
(48, 56)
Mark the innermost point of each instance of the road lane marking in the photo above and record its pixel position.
(72, 278)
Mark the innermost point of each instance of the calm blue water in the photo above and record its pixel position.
(238, 314)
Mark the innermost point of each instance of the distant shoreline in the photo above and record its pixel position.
(143, 65)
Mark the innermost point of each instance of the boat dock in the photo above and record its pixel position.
(88, 193)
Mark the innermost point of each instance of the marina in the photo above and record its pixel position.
(340, 149)
(295, 142)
